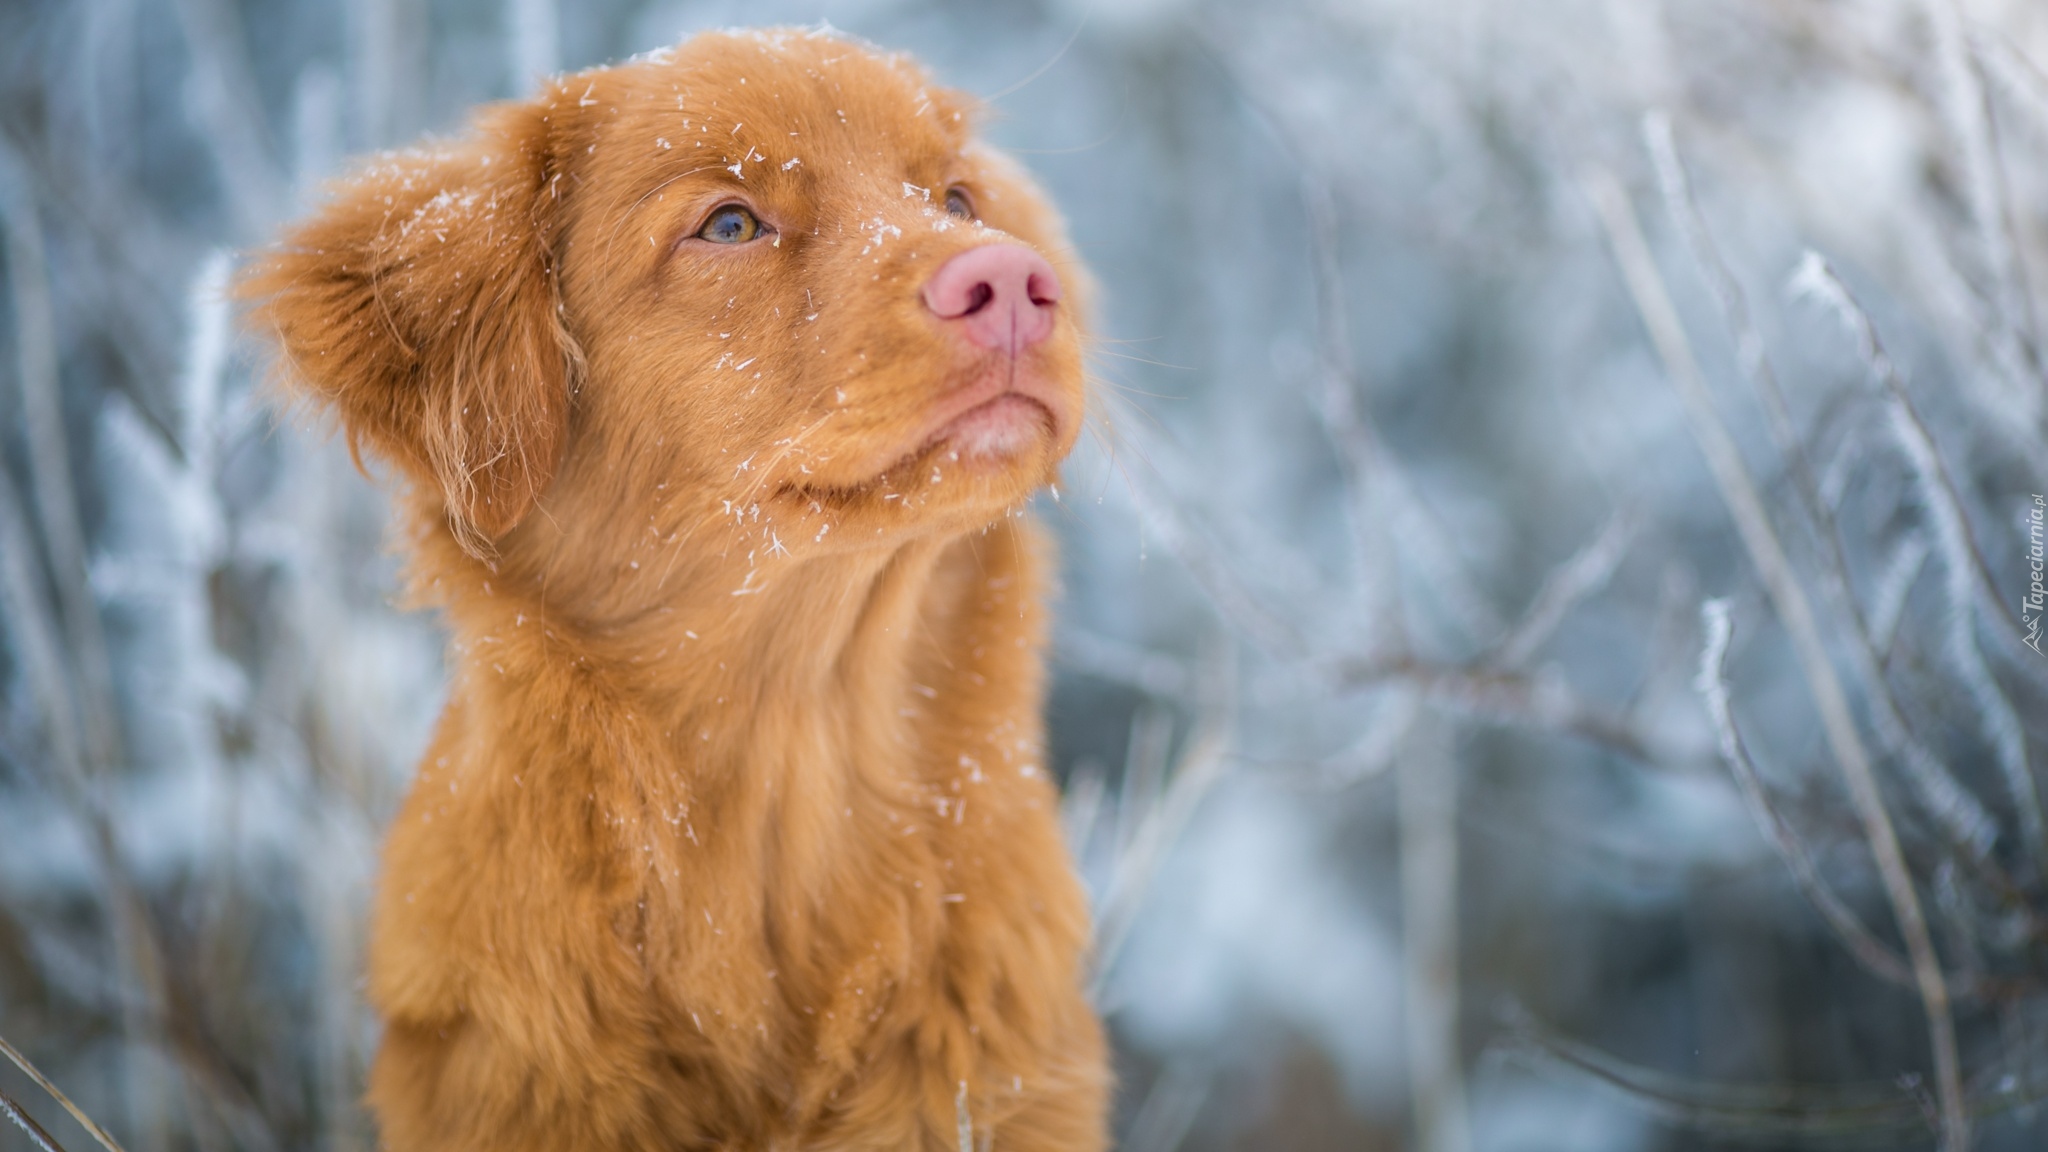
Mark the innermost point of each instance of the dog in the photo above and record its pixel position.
(716, 383)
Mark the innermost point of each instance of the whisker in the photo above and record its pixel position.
(1140, 360)
(1043, 68)
(1129, 390)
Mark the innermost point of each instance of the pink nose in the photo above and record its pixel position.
(1001, 295)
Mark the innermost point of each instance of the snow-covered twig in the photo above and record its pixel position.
(1967, 583)
(1380, 500)
(1894, 584)
(1970, 115)
(110, 282)
(1585, 573)
(1795, 611)
(63, 535)
(1712, 685)
(38, 645)
(1543, 702)
(37, 1134)
(1675, 183)
(1955, 809)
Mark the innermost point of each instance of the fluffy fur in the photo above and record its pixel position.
(736, 832)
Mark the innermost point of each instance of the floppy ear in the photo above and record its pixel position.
(421, 305)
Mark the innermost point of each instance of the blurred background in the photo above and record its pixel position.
(1544, 662)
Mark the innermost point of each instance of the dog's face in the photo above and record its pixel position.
(770, 275)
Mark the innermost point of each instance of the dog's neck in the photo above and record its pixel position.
(715, 726)
(713, 643)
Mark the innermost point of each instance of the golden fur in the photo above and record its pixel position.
(736, 832)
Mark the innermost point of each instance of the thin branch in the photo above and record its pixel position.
(22, 1062)
(1150, 672)
(1198, 772)
(1540, 701)
(1375, 750)
(1428, 811)
(38, 646)
(1894, 584)
(1768, 1109)
(1968, 583)
(229, 107)
(35, 331)
(1203, 762)
(1712, 685)
(1955, 809)
(1504, 695)
(1170, 1107)
(36, 1133)
(1984, 177)
(1676, 185)
(1745, 504)
(1379, 499)
(1587, 572)
(107, 282)
(1237, 604)
(35, 637)
(1144, 774)
(2018, 76)
(208, 1072)
(1081, 804)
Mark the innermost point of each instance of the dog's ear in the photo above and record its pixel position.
(421, 304)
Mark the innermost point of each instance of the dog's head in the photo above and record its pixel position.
(767, 274)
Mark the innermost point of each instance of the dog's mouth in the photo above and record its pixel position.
(999, 416)
(986, 427)
(995, 430)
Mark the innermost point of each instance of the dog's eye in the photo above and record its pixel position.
(957, 203)
(732, 224)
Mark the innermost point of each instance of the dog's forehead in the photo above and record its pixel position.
(785, 91)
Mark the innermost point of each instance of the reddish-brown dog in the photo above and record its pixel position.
(719, 378)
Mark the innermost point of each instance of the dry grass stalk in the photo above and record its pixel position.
(22, 1062)
(37, 1134)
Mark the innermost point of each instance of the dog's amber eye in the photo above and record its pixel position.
(732, 224)
(957, 203)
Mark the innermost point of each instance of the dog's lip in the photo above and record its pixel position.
(970, 431)
(954, 409)
(991, 387)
